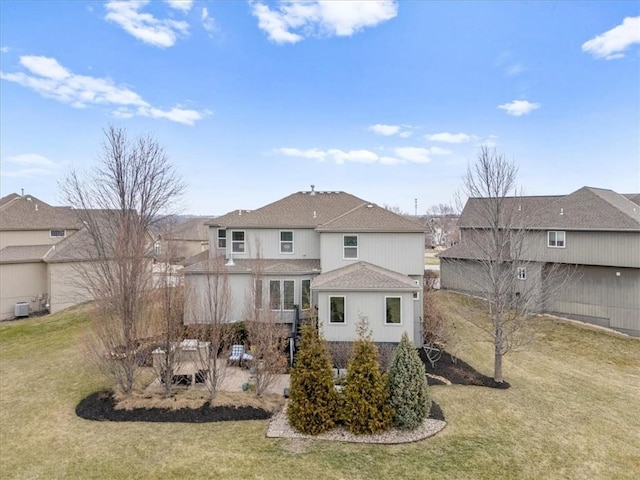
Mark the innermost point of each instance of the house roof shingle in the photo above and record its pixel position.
(588, 208)
(298, 210)
(30, 213)
(24, 253)
(368, 217)
(363, 276)
(262, 266)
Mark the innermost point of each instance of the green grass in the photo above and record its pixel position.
(572, 412)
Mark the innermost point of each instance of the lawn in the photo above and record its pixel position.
(572, 412)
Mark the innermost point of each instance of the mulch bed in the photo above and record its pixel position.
(458, 372)
(101, 406)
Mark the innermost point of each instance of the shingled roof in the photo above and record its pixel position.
(24, 253)
(363, 276)
(588, 208)
(326, 211)
(368, 217)
(261, 266)
(30, 213)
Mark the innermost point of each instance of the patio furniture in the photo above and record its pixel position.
(190, 355)
(238, 355)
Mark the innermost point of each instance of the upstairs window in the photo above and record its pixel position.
(222, 238)
(556, 239)
(336, 310)
(393, 306)
(237, 242)
(286, 241)
(57, 233)
(350, 244)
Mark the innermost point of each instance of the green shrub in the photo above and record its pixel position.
(313, 399)
(366, 409)
(408, 390)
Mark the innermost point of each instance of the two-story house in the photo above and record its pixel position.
(331, 251)
(592, 232)
(30, 232)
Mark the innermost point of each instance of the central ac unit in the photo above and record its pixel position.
(21, 309)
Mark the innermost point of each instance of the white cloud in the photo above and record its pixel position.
(292, 21)
(517, 108)
(405, 134)
(612, 43)
(4, 49)
(386, 130)
(489, 142)
(401, 155)
(30, 164)
(50, 79)
(182, 5)
(144, 26)
(447, 137)
(208, 23)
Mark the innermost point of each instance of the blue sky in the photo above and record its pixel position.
(388, 100)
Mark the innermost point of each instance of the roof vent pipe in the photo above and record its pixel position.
(562, 211)
(314, 214)
(313, 190)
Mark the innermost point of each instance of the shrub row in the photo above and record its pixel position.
(371, 402)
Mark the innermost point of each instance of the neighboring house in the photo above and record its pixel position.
(330, 251)
(593, 230)
(180, 239)
(30, 232)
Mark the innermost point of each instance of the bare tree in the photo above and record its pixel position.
(212, 303)
(167, 309)
(498, 261)
(442, 222)
(131, 186)
(267, 336)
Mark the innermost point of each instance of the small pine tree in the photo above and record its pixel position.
(365, 409)
(313, 398)
(408, 389)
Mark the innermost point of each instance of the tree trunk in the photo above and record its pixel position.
(497, 366)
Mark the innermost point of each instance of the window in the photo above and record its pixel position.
(416, 295)
(281, 294)
(274, 294)
(237, 242)
(556, 239)
(57, 233)
(393, 310)
(336, 310)
(306, 295)
(522, 273)
(288, 294)
(222, 238)
(350, 243)
(156, 247)
(286, 241)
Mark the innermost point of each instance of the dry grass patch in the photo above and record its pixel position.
(196, 398)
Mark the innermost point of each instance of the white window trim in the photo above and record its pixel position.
(292, 242)
(64, 233)
(522, 273)
(344, 302)
(385, 310)
(243, 242)
(281, 282)
(357, 247)
(564, 239)
(218, 238)
(416, 295)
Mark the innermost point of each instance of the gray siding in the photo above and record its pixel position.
(621, 249)
(306, 243)
(22, 282)
(598, 295)
(372, 306)
(400, 252)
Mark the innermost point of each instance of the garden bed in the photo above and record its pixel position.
(457, 372)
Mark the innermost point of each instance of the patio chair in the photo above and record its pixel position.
(238, 355)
